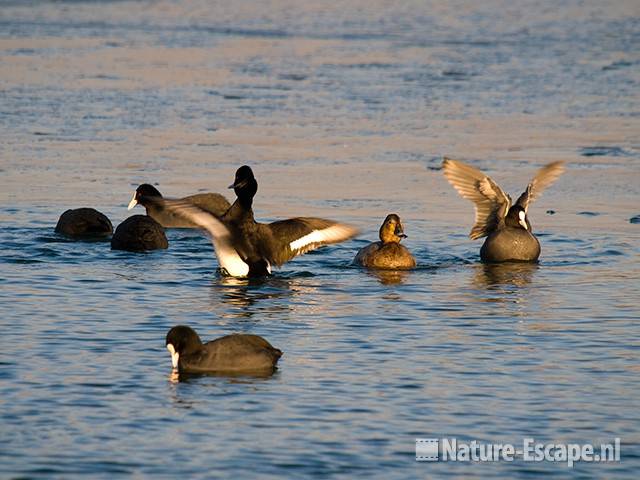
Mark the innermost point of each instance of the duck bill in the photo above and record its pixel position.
(175, 356)
(399, 232)
(240, 184)
(133, 202)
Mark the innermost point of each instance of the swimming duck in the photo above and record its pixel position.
(246, 248)
(236, 353)
(506, 226)
(84, 223)
(139, 233)
(387, 253)
(211, 202)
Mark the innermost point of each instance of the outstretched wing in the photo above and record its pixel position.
(289, 238)
(228, 257)
(210, 202)
(490, 202)
(545, 177)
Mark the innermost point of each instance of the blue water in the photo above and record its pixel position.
(345, 112)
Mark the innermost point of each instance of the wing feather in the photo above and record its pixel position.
(490, 201)
(211, 202)
(295, 236)
(544, 178)
(228, 257)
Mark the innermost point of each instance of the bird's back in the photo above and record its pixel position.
(234, 353)
(510, 244)
(387, 255)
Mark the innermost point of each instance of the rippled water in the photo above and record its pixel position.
(344, 112)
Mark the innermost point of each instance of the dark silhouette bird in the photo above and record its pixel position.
(84, 223)
(237, 353)
(139, 233)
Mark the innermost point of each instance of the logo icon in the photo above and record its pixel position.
(426, 449)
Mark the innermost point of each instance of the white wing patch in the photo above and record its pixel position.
(332, 234)
(232, 265)
(228, 258)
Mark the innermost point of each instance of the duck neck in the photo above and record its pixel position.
(388, 236)
(241, 209)
(245, 201)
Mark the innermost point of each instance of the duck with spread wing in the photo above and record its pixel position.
(246, 248)
(506, 225)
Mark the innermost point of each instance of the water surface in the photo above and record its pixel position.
(344, 112)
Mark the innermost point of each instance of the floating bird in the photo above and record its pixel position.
(84, 223)
(387, 253)
(506, 225)
(246, 248)
(145, 194)
(237, 353)
(139, 233)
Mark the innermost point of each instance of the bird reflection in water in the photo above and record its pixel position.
(389, 277)
(516, 274)
(503, 288)
(174, 376)
(231, 377)
(219, 383)
(251, 296)
(246, 292)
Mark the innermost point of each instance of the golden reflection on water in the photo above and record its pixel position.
(389, 277)
(174, 376)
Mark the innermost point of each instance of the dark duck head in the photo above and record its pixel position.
(245, 185)
(517, 218)
(391, 230)
(182, 340)
(143, 191)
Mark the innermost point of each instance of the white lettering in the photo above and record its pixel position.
(532, 451)
(449, 449)
(527, 450)
(508, 452)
